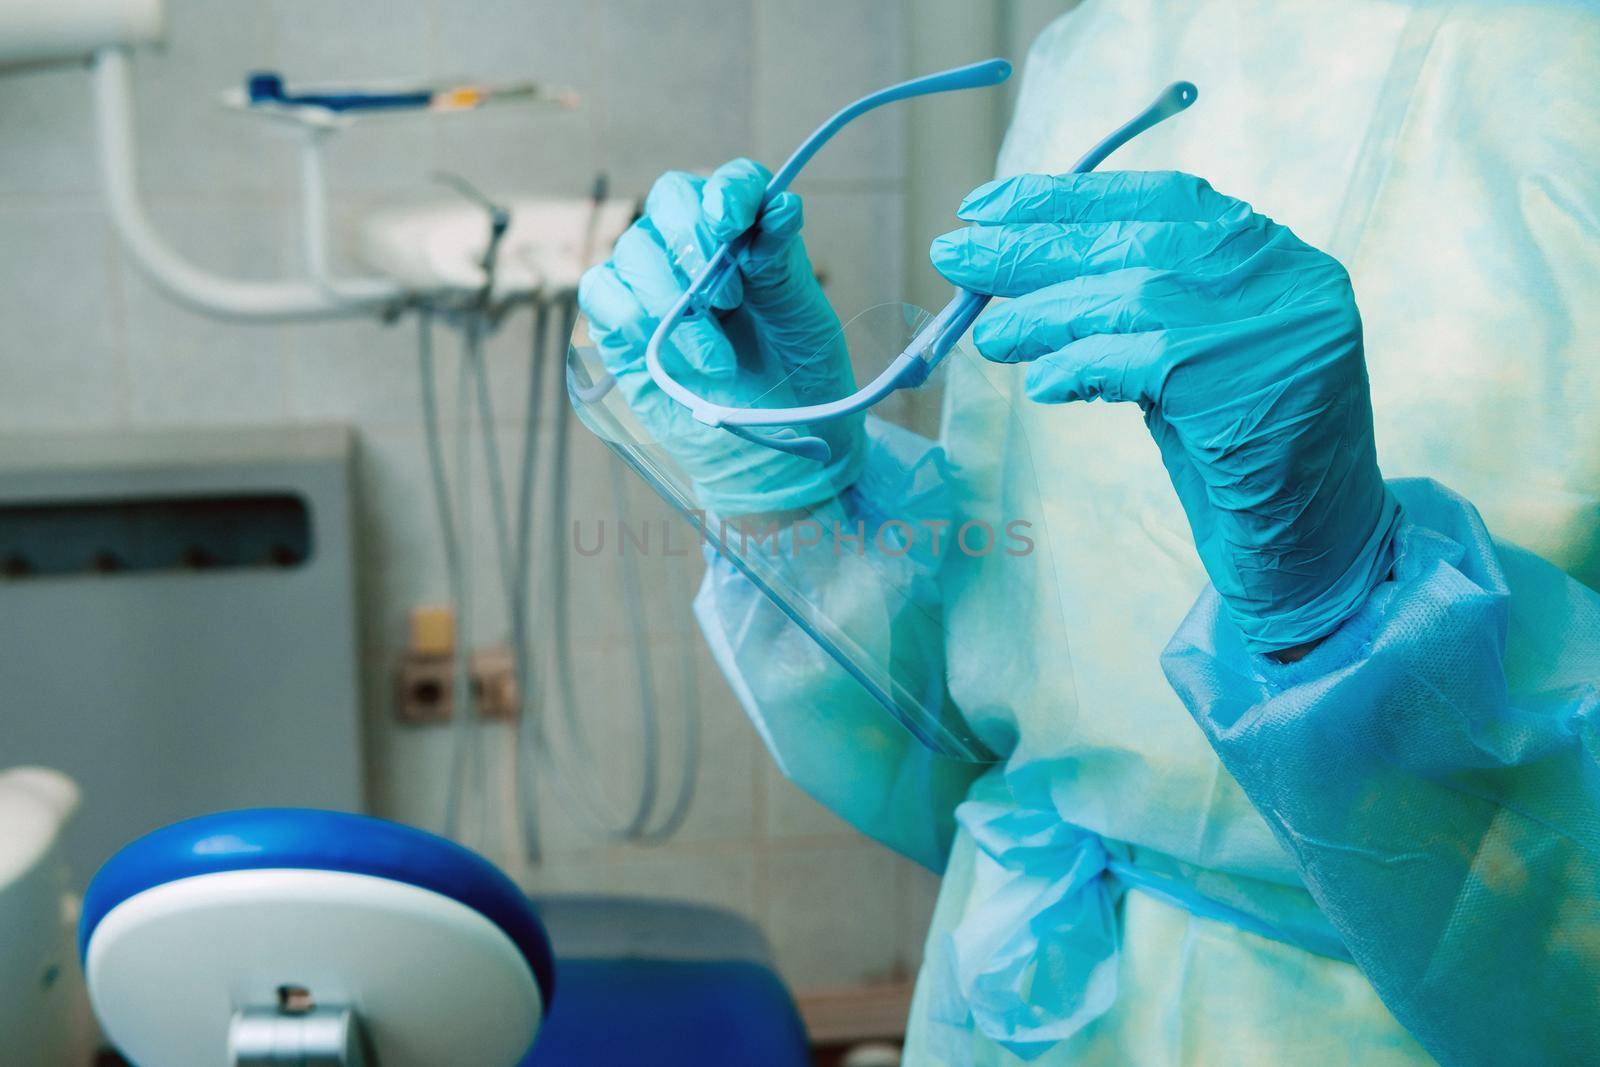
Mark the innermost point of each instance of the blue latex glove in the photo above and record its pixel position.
(1242, 345)
(773, 339)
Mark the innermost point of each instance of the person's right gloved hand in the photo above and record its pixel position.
(1242, 346)
(772, 338)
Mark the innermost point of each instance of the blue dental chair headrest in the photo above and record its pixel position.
(442, 957)
(203, 933)
(310, 839)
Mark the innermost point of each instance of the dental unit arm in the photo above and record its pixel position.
(103, 33)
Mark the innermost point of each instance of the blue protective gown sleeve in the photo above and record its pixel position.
(824, 730)
(1432, 768)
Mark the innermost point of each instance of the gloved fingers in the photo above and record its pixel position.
(673, 206)
(732, 196)
(783, 298)
(1099, 196)
(1124, 301)
(769, 261)
(618, 323)
(620, 328)
(732, 205)
(781, 220)
(644, 265)
(1010, 260)
(1114, 367)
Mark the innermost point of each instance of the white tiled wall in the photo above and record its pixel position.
(88, 342)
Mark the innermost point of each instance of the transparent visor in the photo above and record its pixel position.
(874, 557)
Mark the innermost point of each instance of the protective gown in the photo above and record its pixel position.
(1390, 850)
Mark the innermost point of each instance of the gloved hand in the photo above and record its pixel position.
(1242, 345)
(772, 338)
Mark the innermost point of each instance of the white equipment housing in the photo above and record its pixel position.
(440, 247)
(35, 947)
(35, 32)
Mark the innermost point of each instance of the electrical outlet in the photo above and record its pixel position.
(494, 683)
(425, 690)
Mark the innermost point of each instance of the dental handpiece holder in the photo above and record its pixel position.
(932, 342)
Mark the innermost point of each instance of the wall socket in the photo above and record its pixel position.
(425, 686)
(425, 682)
(494, 683)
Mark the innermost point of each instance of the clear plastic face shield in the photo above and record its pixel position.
(871, 565)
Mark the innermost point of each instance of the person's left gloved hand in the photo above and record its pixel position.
(1241, 343)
